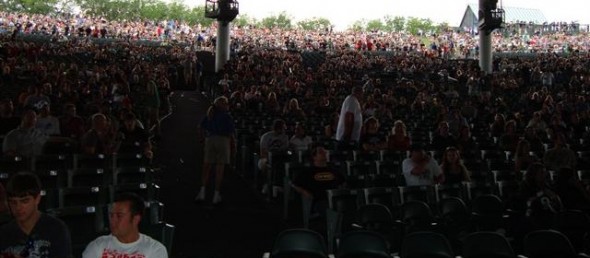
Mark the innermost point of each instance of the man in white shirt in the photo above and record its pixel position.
(125, 239)
(351, 118)
(275, 141)
(421, 169)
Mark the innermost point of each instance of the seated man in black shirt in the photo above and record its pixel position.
(31, 233)
(134, 138)
(312, 183)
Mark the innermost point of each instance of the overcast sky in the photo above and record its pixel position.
(342, 13)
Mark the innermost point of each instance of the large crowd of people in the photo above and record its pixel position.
(452, 43)
(407, 97)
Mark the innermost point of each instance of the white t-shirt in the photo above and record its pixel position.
(300, 144)
(274, 142)
(432, 171)
(350, 104)
(109, 246)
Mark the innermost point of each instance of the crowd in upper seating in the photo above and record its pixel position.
(516, 38)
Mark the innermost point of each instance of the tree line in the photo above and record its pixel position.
(135, 10)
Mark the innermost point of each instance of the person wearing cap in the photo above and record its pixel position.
(31, 233)
(350, 121)
(421, 169)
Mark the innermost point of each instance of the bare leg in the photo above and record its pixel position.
(205, 175)
(219, 169)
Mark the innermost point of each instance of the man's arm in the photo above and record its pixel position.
(159, 251)
(305, 193)
(9, 145)
(263, 146)
(92, 250)
(439, 176)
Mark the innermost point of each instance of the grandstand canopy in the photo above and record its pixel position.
(513, 15)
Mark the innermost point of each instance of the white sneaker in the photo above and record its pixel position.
(216, 198)
(201, 195)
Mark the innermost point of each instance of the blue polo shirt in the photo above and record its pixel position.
(221, 124)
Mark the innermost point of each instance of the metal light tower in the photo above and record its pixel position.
(490, 18)
(224, 11)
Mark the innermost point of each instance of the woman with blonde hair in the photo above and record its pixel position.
(292, 109)
(399, 140)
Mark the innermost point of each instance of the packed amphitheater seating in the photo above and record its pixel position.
(533, 109)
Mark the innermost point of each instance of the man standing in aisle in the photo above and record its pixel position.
(351, 118)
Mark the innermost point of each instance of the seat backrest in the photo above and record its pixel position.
(415, 210)
(450, 190)
(416, 216)
(424, 193)
(575, 225)
(375, 217)
(476, 189)
(387, 196)
(487, 244)
(487, 205)
(453, 209)
(82, 196)
(303, 242)
(93, 161)
(547, 243)
(362, 244)
(426, 245)
(343, 200)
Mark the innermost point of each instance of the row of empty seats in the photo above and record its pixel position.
(72, 161)
(368, 244)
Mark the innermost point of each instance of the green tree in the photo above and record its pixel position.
(64, 6)
(399, 23)
(97, 7)
(155, 11)
(314, 23)
(245, 20)
(359, 25)
(197, 16)
(413, 25)
(442, 27)
(29, 6)
(394, 24)
(427, 26)
(420, 25)
(375, 24)
(282, 20)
